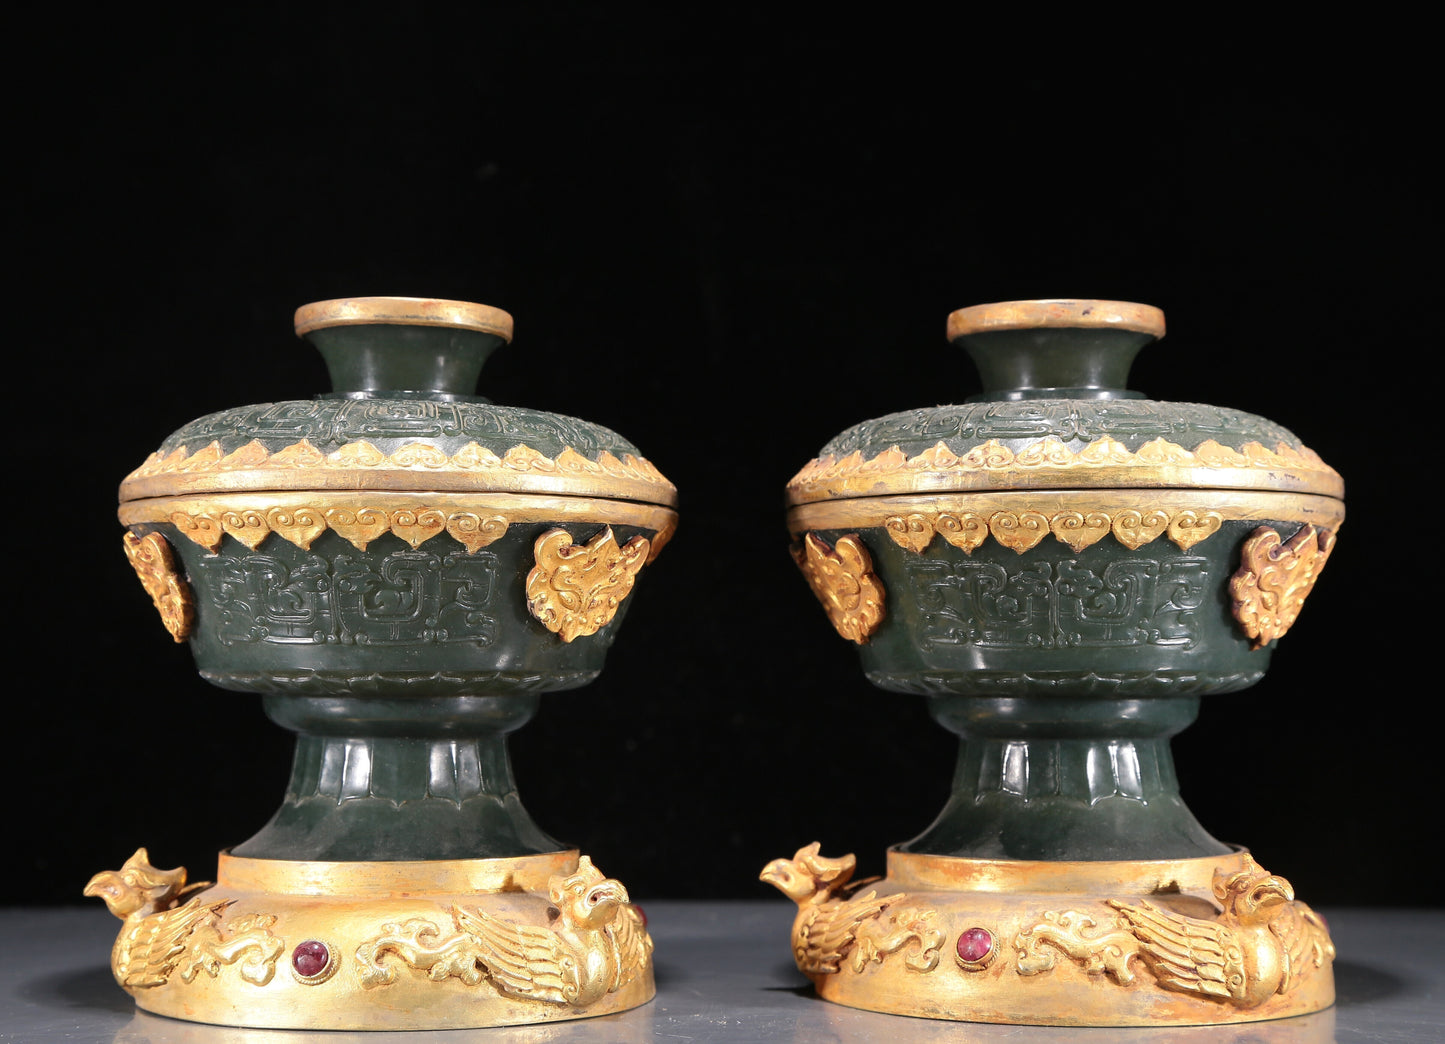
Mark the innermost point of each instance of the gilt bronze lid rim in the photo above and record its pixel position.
(1062, 312)
(387, 877)
(403, 311)
(1231, 504)
(519, 507)
(1088, 488)
(398, 482)
(1172, 480)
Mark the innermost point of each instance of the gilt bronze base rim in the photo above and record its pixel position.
(1185, 942)
(405, 945)
(915, 870)
(392, 877)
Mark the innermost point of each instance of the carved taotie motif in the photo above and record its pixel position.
(598, 945)
(1048, 461)
(1275, 578)
(169, 930)
(1133, 601)
(835, 925)
(576, 591)
(402, 598)
(842, 577)
(154, 562)
(1262, 943)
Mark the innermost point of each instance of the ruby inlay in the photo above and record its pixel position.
(975, 945)
(310, 958)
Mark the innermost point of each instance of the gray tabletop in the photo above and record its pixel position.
(724, 974)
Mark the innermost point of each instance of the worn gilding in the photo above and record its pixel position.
(1074, 314)
(403, 311)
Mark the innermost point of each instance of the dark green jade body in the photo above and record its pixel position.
(365, 562)
(1064, 674)
(1055, 560)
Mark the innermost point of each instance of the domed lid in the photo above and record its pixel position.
(1055, 414)
(401, 417)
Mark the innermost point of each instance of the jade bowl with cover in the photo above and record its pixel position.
(399, 567)
(1063, 568)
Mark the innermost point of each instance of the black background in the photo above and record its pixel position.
(728, 237)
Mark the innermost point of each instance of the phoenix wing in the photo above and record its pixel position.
(150, 951)
(522, 960)
(1187, 953)
(828, 930)
(1306, 942)
(634, 945)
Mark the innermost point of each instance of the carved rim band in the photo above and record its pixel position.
(403, 311)
(1070, 313)
(1076, 517)
(473, 519)
(415, 466)
(415, 877)
(1047, 463)
(918, 870)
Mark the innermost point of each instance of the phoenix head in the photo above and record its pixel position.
(136, 885)
(1252, 895)
(586, 899)
(808, 874)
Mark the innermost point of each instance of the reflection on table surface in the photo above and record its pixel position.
(828, 1023)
